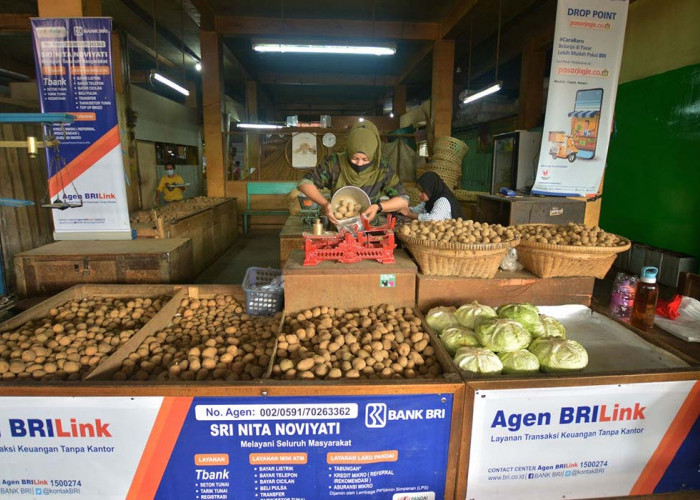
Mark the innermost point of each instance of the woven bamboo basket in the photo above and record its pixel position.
(463, 195)
(457, 259)
(413, 193)
(556, 261)
(450, 149)
(448, 173)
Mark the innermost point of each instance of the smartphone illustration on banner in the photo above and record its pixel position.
(585, 121)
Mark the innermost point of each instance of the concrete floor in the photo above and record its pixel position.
(261, 248)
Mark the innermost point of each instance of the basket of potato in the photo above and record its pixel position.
(550, 250)
(378, 342)
(457, 247)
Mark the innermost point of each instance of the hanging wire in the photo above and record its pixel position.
(155, 34)
(498, 37)
(469, 62)
(182, 40)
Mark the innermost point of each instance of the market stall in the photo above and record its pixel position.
(163, 434)
(211, 224)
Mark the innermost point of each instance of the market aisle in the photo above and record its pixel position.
(261, 248)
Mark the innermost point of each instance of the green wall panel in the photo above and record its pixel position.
(652, 179)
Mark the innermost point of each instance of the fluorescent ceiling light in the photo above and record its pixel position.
(308, 48)
(198, 66)
(257, 125)
(483, 93)
(169, 83)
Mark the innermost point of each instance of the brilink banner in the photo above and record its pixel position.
(392, 447)
(586, 441)
(587, 51)
(73, 60)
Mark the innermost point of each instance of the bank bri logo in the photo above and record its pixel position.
(375, 415)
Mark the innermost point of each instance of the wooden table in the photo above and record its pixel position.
(505, 287)
(291, 237)
(57, 266)
(362, 284)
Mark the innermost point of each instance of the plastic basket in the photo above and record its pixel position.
(260, 301)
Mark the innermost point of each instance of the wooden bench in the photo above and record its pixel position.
(262, 188)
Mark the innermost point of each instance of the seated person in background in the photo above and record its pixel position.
(438, 202)
(166, 190)
(360, 165)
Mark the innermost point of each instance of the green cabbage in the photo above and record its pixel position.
(469, 314)
(456, 337)
(499, 334)
(552, 327)
(519, 362)
(559, 355)
(536, 329)
(478, 360)
(441, 318)
(525, 314)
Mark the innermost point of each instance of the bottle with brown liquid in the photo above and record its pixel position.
(645, 299)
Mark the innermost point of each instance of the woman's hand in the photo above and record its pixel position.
(329, 212)
(405, 211)
(371, 212)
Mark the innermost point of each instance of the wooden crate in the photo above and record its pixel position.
(509, 211)
(80, 292)
(212, 230)
(291, 237)
(505, 287)
(348, 285)
(57, 266)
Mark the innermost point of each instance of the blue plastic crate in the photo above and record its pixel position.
(261, 301)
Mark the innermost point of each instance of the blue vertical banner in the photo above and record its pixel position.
(73, 59)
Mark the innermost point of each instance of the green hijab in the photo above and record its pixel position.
(363, 138)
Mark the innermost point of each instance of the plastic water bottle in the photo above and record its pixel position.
(645, 299)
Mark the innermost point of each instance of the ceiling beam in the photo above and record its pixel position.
(319, 106)
(534, 26)
(452, 24)
(207, 15)
(14, 23)
(336, 28)
(309, 79)
(165, 33)
(413, 63)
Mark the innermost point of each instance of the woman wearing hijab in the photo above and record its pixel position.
(438, 202)
(360, 165)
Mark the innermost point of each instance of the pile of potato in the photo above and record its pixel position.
(570, 234)
(458, 231)
(209, 339)
(175, 210)
(74, 338)
(346, 208)
(370, 343)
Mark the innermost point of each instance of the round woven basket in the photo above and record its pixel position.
(450, 148)
(557, 261)
(457, 259)
(463, 195)
(448, 173)
(413, 193)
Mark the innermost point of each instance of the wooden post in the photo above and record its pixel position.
(399, 100)
(531, 89)
(212, 107)
(252, 141)
(441, 95)
(61, 8)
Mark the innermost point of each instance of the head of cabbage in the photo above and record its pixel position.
(556, 354)
(499, 334)
(478, 360)
(525, 314)
(456, 337)
(551, 327)
(469, 314)
(519, 362)
(441, 318)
